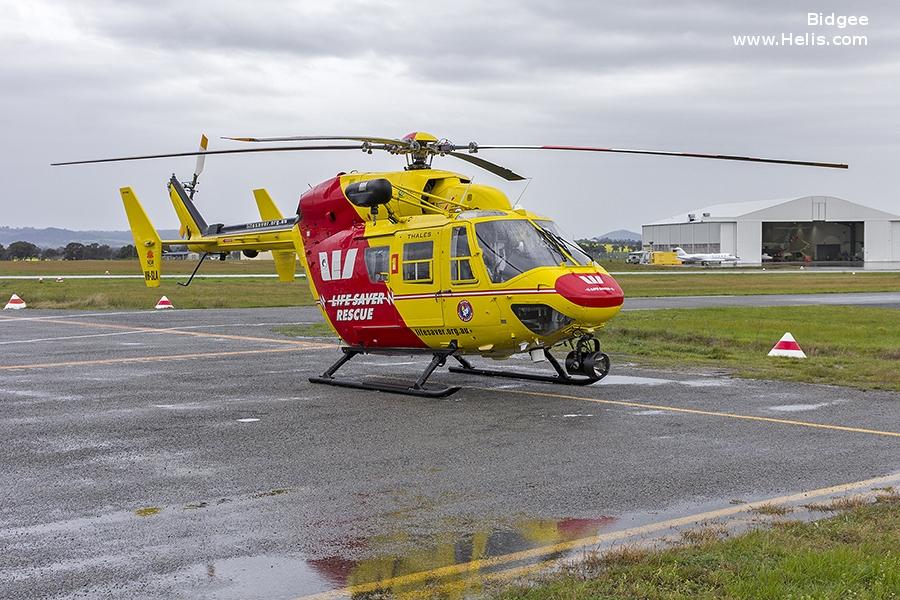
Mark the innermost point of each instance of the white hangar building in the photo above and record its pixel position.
(809, 228)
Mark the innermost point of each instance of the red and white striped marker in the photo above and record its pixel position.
(164, 303)
(15, 303)
(787, 346)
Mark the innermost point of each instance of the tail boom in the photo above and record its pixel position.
(274, 233)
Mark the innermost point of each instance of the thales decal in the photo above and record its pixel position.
(588, 279)
(335, 271)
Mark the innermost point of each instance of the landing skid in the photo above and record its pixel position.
(561, 376)
(439, 358)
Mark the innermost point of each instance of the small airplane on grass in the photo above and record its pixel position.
(420, 260)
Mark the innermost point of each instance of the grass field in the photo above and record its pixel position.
(131, 267)
(852, 346)
(795, 282)
(852, 555)
(99, 294)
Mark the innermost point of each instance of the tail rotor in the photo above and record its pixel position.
(191, 187)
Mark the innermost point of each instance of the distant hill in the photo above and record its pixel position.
(619, 234)
(55, 237)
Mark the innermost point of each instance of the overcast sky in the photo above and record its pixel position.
(92, 79)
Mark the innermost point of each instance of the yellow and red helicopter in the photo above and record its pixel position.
(419, 261)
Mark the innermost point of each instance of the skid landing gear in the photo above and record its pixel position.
(439, 358)
(584, 365)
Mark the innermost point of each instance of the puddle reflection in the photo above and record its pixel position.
(436, 554)
(400, 565)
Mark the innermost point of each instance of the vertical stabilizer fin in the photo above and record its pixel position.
(192, 223)
(285, 264)
(285, 260)
(146, 239)
(267, 209)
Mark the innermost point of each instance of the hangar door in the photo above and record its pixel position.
(819, 241)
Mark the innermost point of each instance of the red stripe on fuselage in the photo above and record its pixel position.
(361, 311)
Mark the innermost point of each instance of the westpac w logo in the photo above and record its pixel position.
(334, 271)
(591, 279)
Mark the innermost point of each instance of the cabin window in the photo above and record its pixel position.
(417, 259)
(460, 257)
(377, 263)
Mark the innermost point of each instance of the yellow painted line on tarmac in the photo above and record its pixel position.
(459, 587)
(568, 546)
(176, 331)
(696, 411)
(145, 359)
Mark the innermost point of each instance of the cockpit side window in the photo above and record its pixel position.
(460, 257)
(377, 263)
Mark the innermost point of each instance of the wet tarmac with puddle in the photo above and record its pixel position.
(184, 455)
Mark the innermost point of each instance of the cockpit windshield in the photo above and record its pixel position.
(512, 247)
(572, 248)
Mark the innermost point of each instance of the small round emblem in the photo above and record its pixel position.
(464, 310)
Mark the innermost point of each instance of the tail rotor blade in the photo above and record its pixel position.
(201, 158)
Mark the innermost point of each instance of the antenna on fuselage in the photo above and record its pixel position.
(522, 193)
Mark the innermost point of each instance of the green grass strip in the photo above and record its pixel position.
(846, 345)
(853, 555)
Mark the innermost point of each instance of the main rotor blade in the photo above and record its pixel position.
(209, 152)
(667, 153)
(316, 138)
(488, 166)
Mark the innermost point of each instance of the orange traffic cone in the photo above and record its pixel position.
(164, 303)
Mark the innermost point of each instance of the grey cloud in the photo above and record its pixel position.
(134, 77)
(475, 41)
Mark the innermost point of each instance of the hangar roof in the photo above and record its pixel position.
(839, 209)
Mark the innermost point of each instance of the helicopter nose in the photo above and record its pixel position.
(593, 290)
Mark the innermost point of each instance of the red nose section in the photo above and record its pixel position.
(594, 290)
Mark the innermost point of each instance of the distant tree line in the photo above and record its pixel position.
(597, 249)
(72, 251)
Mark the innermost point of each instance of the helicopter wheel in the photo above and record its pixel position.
(594, 365)
(573, 363)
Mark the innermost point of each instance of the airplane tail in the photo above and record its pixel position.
(146, 238)
(679, 251)
(285, 260)
(192, 223)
